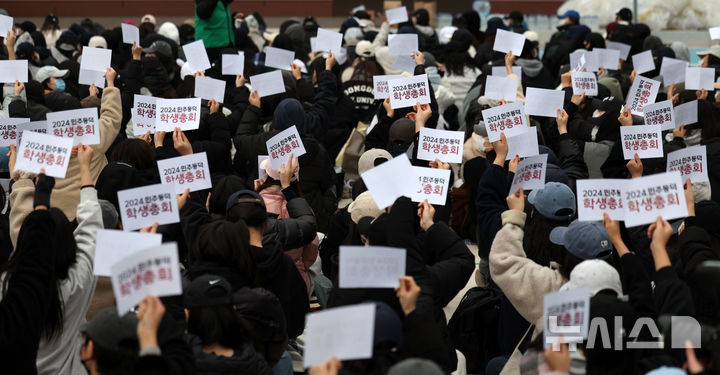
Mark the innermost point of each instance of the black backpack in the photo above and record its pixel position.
(474, 327)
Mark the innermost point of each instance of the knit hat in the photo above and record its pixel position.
(415, 366)
(109, 214)
(97, 42)
(364, 49)
(372, 158)
(402, 130)
(288, 113)
(149, 18)
(493, 24)
(159, 47)
(555, 202)
(207, 290)
(25, 51)
(584, 239)
(364, 205)
(352, 36)
(266, 165)
(170, 31)
(110, 331)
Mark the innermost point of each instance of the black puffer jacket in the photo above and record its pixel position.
(244, 361)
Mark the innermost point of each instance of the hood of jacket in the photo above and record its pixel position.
(530, 67)
(275, 202)
(426, 31)
(244, 361)
(288, 113)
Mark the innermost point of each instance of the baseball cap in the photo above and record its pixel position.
(159, 47)
(607, 104)
(97, 42)
(596, 275)
(714, 50)
(364, 49)
(266, 165)
(372, 158)
(363, 206)
(624, 14)
(555, 202)
(446, 34)
(571, 14)
(235, 199)
(48, 71)
(208, 290)
(584, 239)
(111, 331)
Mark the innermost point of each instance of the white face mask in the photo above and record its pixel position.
(238, 22)
(598, 113)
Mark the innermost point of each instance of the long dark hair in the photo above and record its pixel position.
(456, 61)
(365, 69)
(225, 243)
(135, 152)
(253, 214)
(219, 325)
(540, 250)
(51, 23)
(65, 249)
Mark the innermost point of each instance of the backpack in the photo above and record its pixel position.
(474, 327)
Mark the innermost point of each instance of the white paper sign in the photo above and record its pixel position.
(404, 63)
(396, 15)
(431, 184)
(714, 33)
(114, 245)
(371, 267)
(328, 41)
(79, 124)
(530, 174)
(644, 140)
(46, 151)
(566, 313)
(143, 114)
(402, 44)
(622, 47)
(506, 41)
(501, 71)
(93, 66)
(188, 171)
(313, 44)
(267, 84)
(643, 62)
(143, 206)
(686, 113)
(509, 119)
(177, 113)
(388, 181)
(380, 85)
(344, 332)
(281, 145)
(210, 88)
(153, 271)
(196, 56)
(543, 102)
(608, 58)
(407, 92)
(501, 88)
(584, 82)
(673, 70)
(6, 24)
(445, 145)
(9, 131)
(598, 196)
(592, 60)
(660, 114)
(691, 162)
(523, 145)
(642, 92)
(233, 64)
(648, 197)
(34, 126)
(13, 70)
(278, 58)
(698, 78)
(130, 34)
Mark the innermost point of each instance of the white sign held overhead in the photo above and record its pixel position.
(523, 145)
(642, 92)
(402, 44)
(530, 174)
(592, 60)
(388, 181)
(233, 64)
(187, 171)
(177, 113)
(508, 118)
(598, 196)
(672, 70)
(196, 56)
(343, 332)
(210, 89)
(714, 33)
(506, 41)
(93, 65)
(643, 62)
(543, 102)
(13, 70)
(584, 82)
(153, 271)
(278, 58)
(686, 113)
(691, 162)
(660, 114)
(79, 124)
(328, 41)
(644, 140)
(501, 71)
(566, 316)
(396, 15)
(645, 198)
(267, 84)
(404, 63)
(698, 78)
(43, 151)
(501, 88)
(380, 84)
(141, 207)
(407, 92)
(445, 145)
(9, 130)
(282, 145)
(33, 126)
(371, 267)
(130, 34)
(113, 245)
(6, 25)
(431, 184)
(622, 47)
(608, 58)
(143, 114)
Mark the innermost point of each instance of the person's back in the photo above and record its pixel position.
(213, 23)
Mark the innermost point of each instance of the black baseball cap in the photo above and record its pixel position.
(607, 104)
(111, 331)
(208, 290)
(237, 197)
(625, 14)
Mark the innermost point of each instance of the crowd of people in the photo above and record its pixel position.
(260, 249)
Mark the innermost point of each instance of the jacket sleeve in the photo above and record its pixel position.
(298, 230)
(523, 281)
(110, 118)
(17, 108)
(571, 159)
(322, 106)
(21, 202)
(382, 36)
(29, 290)
(192, 217)
(672, 295)
(380, 135)
(637, 284)
(89, 217)
(490, 202)
(422, 338)
(248, 141)
(205, 8)
(452, 263)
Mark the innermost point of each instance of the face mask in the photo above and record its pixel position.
(238, 22)
(59, 85)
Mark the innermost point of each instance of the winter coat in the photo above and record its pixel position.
(244, 361)
(214, 23)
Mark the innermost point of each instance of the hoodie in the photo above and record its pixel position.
(244, 361)
(534, 74)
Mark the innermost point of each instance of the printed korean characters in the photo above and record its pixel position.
(177, 113)
(283, 144)
(79, 124)
(370, 267)
(8, 130)
(691, 162)
(42, 151)
(566, 313)
(153, 271)
(530, 173)
(509, 119)
(33, 126)
(645, 140)
(380, 85)
(642, 92)
(584, 82)
(407, 92)
(598, 196)
(646, 198)
(186, 172)
(431, 184)
(660, 114)
(440, 144)
(143, 206)
(143, 114)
